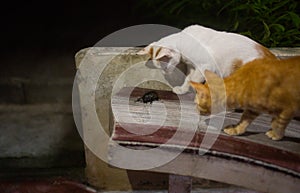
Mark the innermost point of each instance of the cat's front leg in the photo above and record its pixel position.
(181, 89)
(247, 117)
(279, 123)
(194, 75)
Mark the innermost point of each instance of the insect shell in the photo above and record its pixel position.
(148, 97)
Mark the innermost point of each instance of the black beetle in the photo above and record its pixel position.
(148, 97)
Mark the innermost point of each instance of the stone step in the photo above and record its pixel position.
(26, 91)
(39, 136)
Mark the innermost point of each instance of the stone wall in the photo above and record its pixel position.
(38, 134)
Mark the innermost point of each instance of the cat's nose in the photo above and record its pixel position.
(196, 100)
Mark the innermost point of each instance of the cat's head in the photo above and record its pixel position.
(202, 98)
(162, 58)
(210, 93)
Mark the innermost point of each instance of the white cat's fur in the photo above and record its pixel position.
(203, 49)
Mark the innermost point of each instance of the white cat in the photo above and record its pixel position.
(201, 49)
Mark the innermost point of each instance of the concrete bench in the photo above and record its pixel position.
(252, 160)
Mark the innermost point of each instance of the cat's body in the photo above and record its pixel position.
(260, 86)
(201, 49)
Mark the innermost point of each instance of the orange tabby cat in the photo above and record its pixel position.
(261, 86)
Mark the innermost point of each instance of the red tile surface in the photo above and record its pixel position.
(43, 186)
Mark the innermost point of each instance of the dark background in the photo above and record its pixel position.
(63, 25)
(35, 32)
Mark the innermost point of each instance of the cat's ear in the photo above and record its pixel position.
(212, 78)
(199, 88)
(163, 52)
(146, 50)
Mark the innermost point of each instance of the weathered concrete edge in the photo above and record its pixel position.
(286, 51)
(105, 51)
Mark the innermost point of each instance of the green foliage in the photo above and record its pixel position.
(270, 22)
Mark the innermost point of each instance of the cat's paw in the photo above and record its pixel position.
(231, 131)
(234, 130)
(273, 135)
(180, 90)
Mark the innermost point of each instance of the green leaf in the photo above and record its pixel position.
(280, 5)
(241, 7)
(225, 7)
(282, 18)
(277, 27)
(236, 25)
(295, 18)
(247, 33)
(178, 6)
(267, 32)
